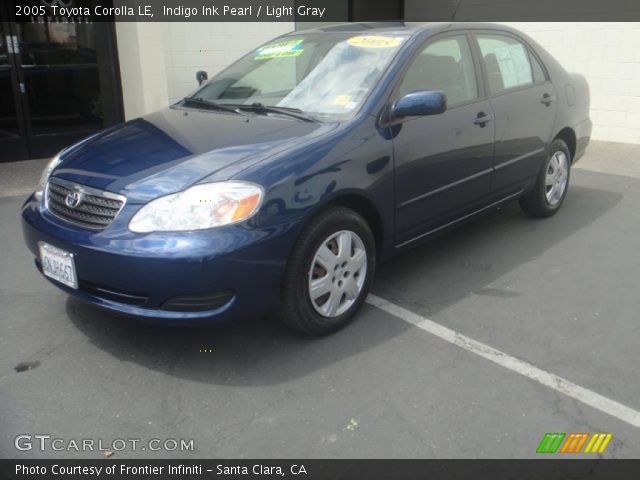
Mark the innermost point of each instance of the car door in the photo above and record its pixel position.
(523, 101)
(443, 162)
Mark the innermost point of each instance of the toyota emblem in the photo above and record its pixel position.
(73, 199)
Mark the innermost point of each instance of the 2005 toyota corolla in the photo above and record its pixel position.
(281, 182)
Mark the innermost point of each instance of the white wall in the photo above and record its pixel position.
(159, 61)
(608, 54)
(142, 67)
(190, 47)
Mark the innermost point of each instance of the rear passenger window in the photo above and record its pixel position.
(444, 65)
(506, 61)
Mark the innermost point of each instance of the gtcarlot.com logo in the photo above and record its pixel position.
(45, 443)
(574, 443)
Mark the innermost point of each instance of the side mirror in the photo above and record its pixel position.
(201, 77)
(419, 103)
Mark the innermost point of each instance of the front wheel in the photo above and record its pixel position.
(552, 183)
(329, 272)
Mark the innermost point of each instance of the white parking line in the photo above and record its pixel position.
(593, 399)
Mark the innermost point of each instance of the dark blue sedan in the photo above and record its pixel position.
(280, 183)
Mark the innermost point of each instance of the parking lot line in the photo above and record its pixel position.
(570, 389)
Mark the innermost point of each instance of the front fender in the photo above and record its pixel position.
(354, 160)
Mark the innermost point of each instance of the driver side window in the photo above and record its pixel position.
(445, 65)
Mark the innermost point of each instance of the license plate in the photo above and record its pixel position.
(58, 264)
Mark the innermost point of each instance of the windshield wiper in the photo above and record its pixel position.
(291, 112)
(201, 102)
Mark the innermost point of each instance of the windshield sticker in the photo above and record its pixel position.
(345, 101)
(342, 100)
(292, 48)
(371, 41)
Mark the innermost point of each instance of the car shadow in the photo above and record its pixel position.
(260, 351)
(249, 351)
(470, 259)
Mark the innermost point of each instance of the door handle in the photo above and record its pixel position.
(547, 99)
(482, 119)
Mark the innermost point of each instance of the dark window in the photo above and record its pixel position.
(506, 61)
(445, 65)
(58, 43)
(8, 115)
(58, 80)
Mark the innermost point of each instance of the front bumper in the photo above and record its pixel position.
(140, 274)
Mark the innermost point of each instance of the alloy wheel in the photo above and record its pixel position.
(556, 178)
(337, 274)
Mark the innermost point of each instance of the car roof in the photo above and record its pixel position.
(397, 27)
(371, 27)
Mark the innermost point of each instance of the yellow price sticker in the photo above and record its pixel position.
(342, 100)
(371, 41)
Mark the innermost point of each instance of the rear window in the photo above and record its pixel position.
(506, 61)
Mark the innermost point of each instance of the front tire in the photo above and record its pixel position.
(329, 272)
(552, 183)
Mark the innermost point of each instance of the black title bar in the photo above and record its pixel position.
(328, 11)
(547, 469)
(182, 10)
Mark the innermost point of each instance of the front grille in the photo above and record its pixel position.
(95, 211)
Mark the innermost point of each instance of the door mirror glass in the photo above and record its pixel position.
(419, 104)
(201, 77)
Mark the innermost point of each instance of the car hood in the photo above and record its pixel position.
(167, 151)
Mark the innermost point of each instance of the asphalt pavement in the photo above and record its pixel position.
(559, 295)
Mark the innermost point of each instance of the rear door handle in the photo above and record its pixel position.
(482, 119)
(547, 99)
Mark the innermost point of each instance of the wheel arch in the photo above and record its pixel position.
(362, 205)
(568, 135)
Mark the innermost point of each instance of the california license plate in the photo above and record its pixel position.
(58, 264)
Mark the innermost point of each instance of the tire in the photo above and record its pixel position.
(317, 314)
(552, 183)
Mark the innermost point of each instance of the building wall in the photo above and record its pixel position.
(190, 47)
(142, 67)
(608, 54)
(159, 61)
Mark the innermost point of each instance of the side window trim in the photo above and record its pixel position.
(530, 52)
(536, 58)
(480, 83)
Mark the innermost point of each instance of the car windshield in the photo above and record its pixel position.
(327, 76)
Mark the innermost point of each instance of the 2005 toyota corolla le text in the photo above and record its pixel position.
(283, 181)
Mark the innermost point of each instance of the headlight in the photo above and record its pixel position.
(201, 206)
(46, 173)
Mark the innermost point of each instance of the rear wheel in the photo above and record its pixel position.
(329, 272)
(552, 184)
